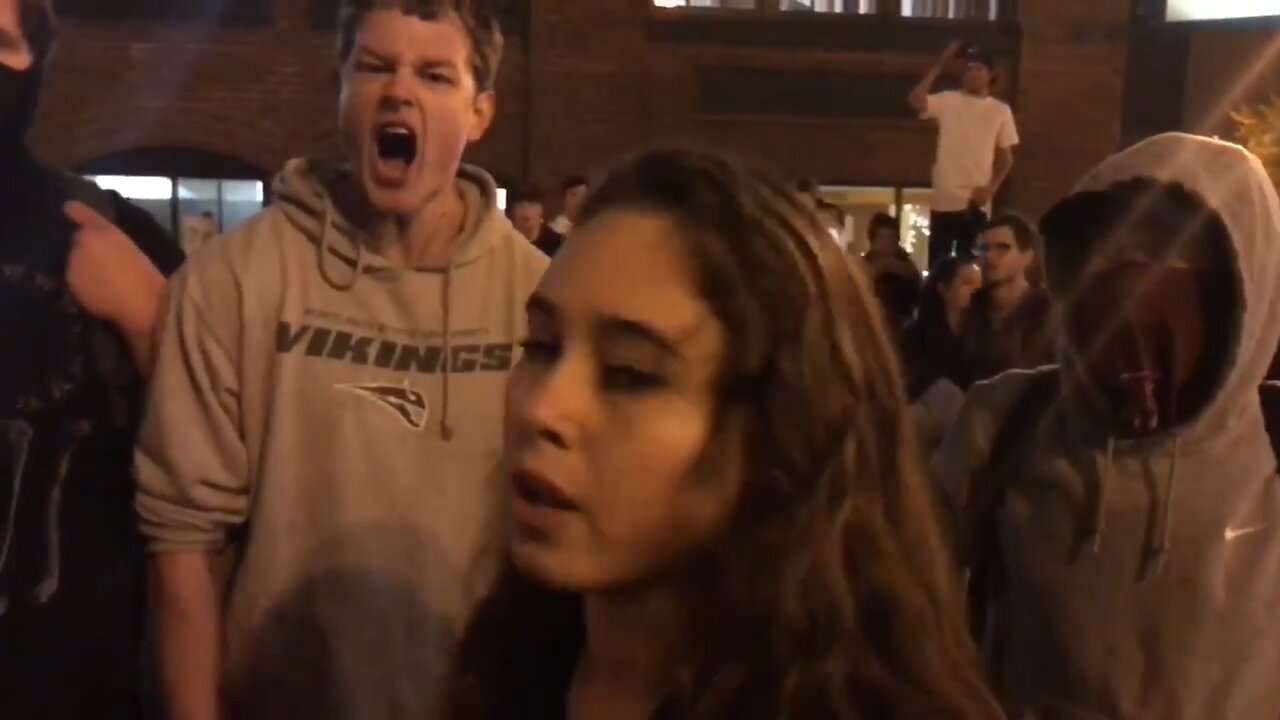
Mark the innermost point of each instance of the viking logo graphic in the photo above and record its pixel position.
(408, 404)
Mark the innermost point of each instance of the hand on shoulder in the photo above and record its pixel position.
(109, 276)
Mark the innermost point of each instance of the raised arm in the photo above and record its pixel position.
(919, 97)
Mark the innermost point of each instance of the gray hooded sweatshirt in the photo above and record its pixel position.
(1144, 576)
(334, 424)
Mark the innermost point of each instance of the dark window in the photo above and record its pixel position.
(942, 9)
(776, 92)
(228, 12)
(851, 7)
(951, 9)
(724, 4)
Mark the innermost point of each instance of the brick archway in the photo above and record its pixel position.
(254, 95)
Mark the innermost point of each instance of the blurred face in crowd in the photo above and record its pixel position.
(976, 78)
(611, 408)
(884, 240)
(15, 54)
(1148, 322)
(409, 106)
(573, 199)
(959, 293)
(1002, 260)
(528, 217)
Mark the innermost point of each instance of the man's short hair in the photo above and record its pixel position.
(977, 56)
(882, 221)
(524, 194)
(35, 18)
(482, 29)
(571, 182)
(1024, 234)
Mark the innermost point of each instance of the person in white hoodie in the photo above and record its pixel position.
(318, 465)
(1123, 507)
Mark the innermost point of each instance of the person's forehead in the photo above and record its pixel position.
(629, 264)
(1002, 233)
(402, 35)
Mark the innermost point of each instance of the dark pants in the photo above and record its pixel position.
(954, 233)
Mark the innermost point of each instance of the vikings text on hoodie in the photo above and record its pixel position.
(1143, 576)
(333, 423)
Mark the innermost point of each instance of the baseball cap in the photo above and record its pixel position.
(974, 54)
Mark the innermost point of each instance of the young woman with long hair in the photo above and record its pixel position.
(717, 510)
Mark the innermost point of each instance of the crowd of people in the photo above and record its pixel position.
(374, 455)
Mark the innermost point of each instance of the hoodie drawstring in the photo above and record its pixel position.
(1158, 542)
(325, 222)
(446, 431)
(1098, 518)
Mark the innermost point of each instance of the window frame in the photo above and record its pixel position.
(241, 13)
(1004, 11)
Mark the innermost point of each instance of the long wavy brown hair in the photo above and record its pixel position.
(832, 594)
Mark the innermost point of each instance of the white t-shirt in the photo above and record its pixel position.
(970, 128)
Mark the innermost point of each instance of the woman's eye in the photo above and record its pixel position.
(628, 379)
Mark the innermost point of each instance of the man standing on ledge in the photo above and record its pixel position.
(326, 407)
(976, 136)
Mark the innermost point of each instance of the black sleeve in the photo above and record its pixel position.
(146, 233)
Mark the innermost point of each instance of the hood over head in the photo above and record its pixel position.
(1232, 183)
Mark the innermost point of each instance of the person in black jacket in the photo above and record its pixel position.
(71, 566)
(897, 279)
(932, 346)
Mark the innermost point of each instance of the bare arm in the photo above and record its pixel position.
(193, 477)
(1000, 171)
(188, 636)
(116, 282)
(143, 336)
(1002, 164)
(919, 97)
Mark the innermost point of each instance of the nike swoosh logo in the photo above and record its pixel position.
(1232, 533)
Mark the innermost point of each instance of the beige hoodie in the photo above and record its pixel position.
(303, 417)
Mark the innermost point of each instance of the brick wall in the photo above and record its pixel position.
(588, 82)
(1071, 91)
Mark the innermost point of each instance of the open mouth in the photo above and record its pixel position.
(539, 492)
(397, 145)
